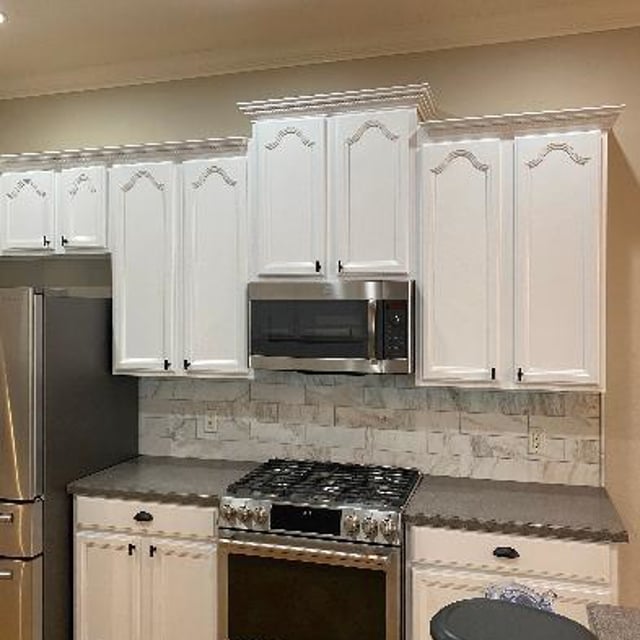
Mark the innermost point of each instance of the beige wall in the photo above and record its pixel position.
(569, 71)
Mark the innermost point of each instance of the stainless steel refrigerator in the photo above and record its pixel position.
(62, 415)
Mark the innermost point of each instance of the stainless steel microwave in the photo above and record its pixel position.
(356, 326)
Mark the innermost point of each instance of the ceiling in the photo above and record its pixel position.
(64, 45)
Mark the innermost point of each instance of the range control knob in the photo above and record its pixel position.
(228, 513)
(245, 515)
(352, 525)
(389, 529)
(370, 527)
(260, 515)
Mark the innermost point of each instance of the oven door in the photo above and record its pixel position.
(285, 588)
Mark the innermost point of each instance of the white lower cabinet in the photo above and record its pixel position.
(133, 584)
(445, 566)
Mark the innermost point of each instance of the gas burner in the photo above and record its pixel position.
(327, 499)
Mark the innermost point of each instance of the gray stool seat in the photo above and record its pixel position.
(483, 619)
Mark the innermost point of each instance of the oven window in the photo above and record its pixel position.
(272, 599)
(310, 328)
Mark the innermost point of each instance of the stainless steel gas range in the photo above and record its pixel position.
(313, 550)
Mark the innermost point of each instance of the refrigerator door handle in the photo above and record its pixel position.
(6, 575)
(6, 518)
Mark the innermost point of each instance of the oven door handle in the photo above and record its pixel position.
(380, 560)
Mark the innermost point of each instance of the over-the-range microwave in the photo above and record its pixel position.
(355, 326)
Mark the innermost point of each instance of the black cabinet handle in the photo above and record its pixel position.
(131, 549)
(166, 365)
(340, 267)
(520, 374)
(45, 241)
(318, 266)
(143, 516)
(186, 364)
(493, 373)
(63, 241)
(152, 551)
(506, 552)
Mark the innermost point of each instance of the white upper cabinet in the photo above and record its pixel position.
(332, 182)
(82, 209)
(143, 214)
(289, 198)
(558, 224)
(27, 211)
(512, 230)
(215, 266)
(372, 162)
(460, 269)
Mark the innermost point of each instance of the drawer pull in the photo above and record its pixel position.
(6, 518)
(506, 552)
(143, 516)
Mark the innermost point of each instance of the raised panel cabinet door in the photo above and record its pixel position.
(289, 197)
(559, 215)
(372, 164)
(435, 587)
(27, 211)
(215, 269)
(82, 209)
(143, 213)
(460, 242)
(181, 580)
(107, 572)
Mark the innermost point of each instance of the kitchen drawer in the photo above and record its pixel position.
(181, 521)
(565, 560)
(21, 529)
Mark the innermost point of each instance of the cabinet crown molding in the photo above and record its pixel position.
(510, 124)
(416, 96)
(144, 152)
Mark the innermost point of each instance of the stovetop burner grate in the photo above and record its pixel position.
(330, 483)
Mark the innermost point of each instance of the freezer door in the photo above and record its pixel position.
(20, 394)
(20, 529)
(21, 599)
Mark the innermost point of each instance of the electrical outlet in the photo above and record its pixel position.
(207, 425)
(536, 440)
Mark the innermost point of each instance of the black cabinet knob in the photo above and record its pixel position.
(143, 516)
(131, 549)
(506, 552)
(152, 550)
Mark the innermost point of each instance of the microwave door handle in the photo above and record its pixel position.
(372, 312)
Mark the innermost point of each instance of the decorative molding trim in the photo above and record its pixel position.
(23, 184)
(138, 175)
(83, 178)
(460, 153)
(372, 124)
(184, 150)
(511, 124)
(287, 131)
(416, 96)
(209, 171)
(557, 146)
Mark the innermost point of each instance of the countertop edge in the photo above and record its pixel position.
(146, 496)
(517, 528)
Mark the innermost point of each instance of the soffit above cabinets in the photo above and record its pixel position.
(66, 45)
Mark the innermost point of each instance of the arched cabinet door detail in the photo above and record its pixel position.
(27, 211)
(460, 305)
(215, 269)
(82, 209)
(289, 197)
(372, 177)
(558, 218)
(143, 213)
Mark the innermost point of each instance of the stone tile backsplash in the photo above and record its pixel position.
(476, 433)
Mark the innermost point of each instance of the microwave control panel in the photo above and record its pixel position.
(395, 329)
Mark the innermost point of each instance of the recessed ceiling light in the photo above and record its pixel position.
(3, 17)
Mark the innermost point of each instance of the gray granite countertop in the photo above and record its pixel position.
(164, 479)
(548, 510)
(614, 623)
